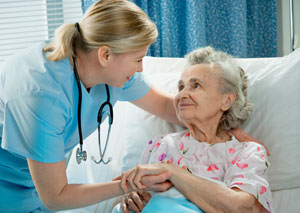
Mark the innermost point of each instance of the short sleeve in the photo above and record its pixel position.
(34, 126)
(248, 173)
(148, 150)
(135, 88)
(154, 152)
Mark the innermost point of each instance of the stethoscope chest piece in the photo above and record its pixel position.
(80, 155)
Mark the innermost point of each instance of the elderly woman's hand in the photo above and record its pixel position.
(135, 201)
(152, 177)
(244, 137)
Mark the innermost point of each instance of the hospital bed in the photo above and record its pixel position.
(274, 91)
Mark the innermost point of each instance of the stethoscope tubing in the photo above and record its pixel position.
(79, 103)
(80, 153)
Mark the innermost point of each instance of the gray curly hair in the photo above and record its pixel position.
(233, 80)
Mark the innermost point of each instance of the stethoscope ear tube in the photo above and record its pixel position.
(80, 154)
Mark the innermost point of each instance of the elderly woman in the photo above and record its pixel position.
(205, 163)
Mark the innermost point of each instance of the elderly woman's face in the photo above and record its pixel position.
(199, 97)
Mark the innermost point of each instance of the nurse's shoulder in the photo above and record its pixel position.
(29, 71)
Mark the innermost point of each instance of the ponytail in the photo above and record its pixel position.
(63, 44)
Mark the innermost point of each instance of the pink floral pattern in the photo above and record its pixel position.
(231, 150)
(212, 167)
(263, 189)
(234, 159)
(242, 165)
(238, 183)
(240, 175)
(230, 162)
(157, 144)
(162, 156)
(178, 162)
(181, 146)
(215, 178)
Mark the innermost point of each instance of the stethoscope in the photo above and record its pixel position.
(80, 153)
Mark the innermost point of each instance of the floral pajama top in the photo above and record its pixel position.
(233, 164)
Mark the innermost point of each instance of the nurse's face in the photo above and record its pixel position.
(123, 66)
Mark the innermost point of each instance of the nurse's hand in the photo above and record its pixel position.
(151, 177)
(244, 137)
(135, 201)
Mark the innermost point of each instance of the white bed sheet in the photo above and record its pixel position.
(287, 200)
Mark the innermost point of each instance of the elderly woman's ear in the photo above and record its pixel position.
(227, 101)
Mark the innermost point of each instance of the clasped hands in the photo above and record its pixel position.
(140, 179)
(150, 177)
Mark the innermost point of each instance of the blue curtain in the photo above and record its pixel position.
(240, 27)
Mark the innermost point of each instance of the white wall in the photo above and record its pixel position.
(283, 26)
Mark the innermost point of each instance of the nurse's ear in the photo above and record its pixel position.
(104, 55)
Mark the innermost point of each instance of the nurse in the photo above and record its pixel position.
(39, 104)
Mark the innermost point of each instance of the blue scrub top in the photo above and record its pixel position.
(38, 119)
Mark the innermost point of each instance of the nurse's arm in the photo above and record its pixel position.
(52, 186)
(158, 103)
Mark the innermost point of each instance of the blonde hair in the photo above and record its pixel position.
(233, 80)
(118, 24)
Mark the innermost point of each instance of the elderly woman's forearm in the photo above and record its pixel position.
(207, 195)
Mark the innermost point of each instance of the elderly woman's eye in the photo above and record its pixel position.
(196, 85)
(180, 88)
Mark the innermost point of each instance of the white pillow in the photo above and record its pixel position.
(275, 92)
